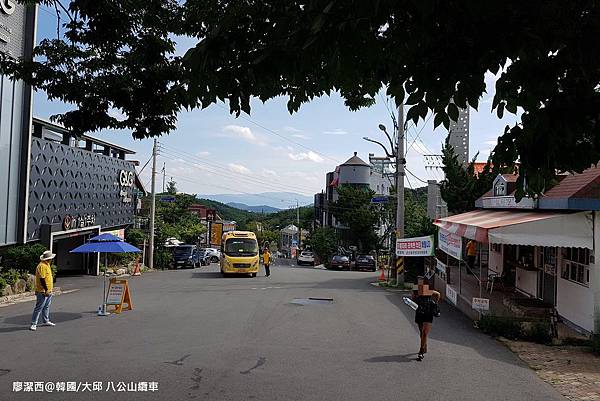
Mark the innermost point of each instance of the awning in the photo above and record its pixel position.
(523, 228)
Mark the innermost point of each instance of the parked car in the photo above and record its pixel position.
(213, 255)
(340, 262)
(203, 257)
(366, 262)
(186, 256)
(306, 258)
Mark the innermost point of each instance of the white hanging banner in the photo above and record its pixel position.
(450, 243)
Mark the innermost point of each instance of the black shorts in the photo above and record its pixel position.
(423, 318)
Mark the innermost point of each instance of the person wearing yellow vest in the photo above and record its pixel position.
(267, 261)
(471, 252)
(44, 283)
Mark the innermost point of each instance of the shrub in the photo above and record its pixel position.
(23, 257)
(596, 344)
(504, 326)
(2, 284)
(539, 332)
(11, 276)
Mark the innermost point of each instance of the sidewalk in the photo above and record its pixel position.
(573, 371)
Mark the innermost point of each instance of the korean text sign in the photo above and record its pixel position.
(450, 243)
(419, 246)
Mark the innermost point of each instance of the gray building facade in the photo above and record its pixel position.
(458, 132)
(17, 34)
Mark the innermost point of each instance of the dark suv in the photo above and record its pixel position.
(186, 256)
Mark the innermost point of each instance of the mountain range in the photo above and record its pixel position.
(276, 200)
(256, 209)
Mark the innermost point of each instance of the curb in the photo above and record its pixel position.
(29, 297)
(390, 289)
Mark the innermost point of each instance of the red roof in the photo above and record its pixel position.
(584, 185)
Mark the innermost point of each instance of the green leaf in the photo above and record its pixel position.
(453, 112)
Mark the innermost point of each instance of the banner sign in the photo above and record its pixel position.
(419, 246)
(451, 294)
(450, 243)
(439, 266)
(481, 304)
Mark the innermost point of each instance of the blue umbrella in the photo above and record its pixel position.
(106, 243)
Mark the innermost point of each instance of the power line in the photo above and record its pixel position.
(411, 173)
(281, 136)
(222, 170)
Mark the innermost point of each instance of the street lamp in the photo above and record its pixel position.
(397, 153)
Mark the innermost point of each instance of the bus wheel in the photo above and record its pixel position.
(252, 274)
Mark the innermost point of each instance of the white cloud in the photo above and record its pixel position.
(337, 131)
(301, 136)
(310, 155)
(245, 133)
(292, 129)
(491, 142)
(268, 173)
(238, 168)
(291, 149)
(203, 153)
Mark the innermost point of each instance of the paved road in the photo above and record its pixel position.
(204, 337)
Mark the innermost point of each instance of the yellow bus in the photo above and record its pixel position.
(239, 253)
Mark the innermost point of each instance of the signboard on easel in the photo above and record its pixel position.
(118, 294)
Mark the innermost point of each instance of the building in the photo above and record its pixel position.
(458, 135)
(356, 172)
(535, 257)
(17, 28)
(78, 187)
(289, 241)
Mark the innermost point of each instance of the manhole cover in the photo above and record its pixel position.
(312, 300)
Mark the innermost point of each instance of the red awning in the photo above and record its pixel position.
(476, 224)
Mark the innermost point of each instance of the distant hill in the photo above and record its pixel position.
(256, 209)
(277, 200)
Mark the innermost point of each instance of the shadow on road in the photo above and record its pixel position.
(455, 328)
(392, 358)
(57, 317)
(207, 275)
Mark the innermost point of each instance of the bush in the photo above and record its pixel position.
(23, 257)
(504, 326)
(2, 284)
(11, 276)
(596, 344)
(539, 332)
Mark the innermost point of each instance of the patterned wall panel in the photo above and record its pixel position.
(67, 181)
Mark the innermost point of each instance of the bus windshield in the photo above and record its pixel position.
(241, 247)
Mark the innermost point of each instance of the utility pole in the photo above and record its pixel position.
(400, 162)
(164, 171)
(298, 221)
(152, 208)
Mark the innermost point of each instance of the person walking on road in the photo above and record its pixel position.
(426, 300)
(471, 252)
(44, 283)
(267, 261)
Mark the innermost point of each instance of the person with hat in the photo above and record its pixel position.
(44, 283)
(427, 309)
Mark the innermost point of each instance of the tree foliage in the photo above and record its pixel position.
(355, 212)
(120, 56)
(462, 186)
(172, 187)
(323, 242)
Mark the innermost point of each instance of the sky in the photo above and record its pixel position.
(213, 152)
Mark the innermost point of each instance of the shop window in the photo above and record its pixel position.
(575, 265)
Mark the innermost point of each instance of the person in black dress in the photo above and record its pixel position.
(426, 300)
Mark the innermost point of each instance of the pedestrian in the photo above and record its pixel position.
(267, 261)
(44, 282)
(426, 300)
(471, 252)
